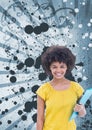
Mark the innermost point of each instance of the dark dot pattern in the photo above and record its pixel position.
(42, 76)
(9, 121)
(28, 29)
(38, 62)
(13, 79)
(29, 62)
(28, 106)
(20, 112)
(24, 117)
(22, 89)
(12, 72)
(20, 66)
(37, 29)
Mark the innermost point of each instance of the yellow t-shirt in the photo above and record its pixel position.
(59, 105)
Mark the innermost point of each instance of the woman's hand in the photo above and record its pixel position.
(80, 109)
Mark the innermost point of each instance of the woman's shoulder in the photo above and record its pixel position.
(76, 84)
(43, 91)
(45, 86)
(77, 87)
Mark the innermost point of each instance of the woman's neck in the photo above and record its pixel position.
(60, 84)
(59, 80)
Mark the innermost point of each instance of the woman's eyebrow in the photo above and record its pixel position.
(53, 65)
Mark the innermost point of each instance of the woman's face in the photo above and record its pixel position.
(58, 69)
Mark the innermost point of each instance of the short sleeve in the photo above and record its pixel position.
(78, 89)
(42, 91)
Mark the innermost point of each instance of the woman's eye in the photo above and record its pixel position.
(54, 67)
(62, 67)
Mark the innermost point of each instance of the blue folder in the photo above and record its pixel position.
(83, 100)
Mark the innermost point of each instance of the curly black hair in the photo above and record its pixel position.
(60, 54)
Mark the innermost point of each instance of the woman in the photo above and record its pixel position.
(57, 98)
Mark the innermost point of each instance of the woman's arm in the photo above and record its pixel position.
(40, 113)
(80, 109)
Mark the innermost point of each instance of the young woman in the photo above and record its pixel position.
(57, 98)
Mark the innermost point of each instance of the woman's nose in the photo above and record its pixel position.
(58, 69)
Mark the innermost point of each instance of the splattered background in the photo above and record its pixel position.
(27, 29)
